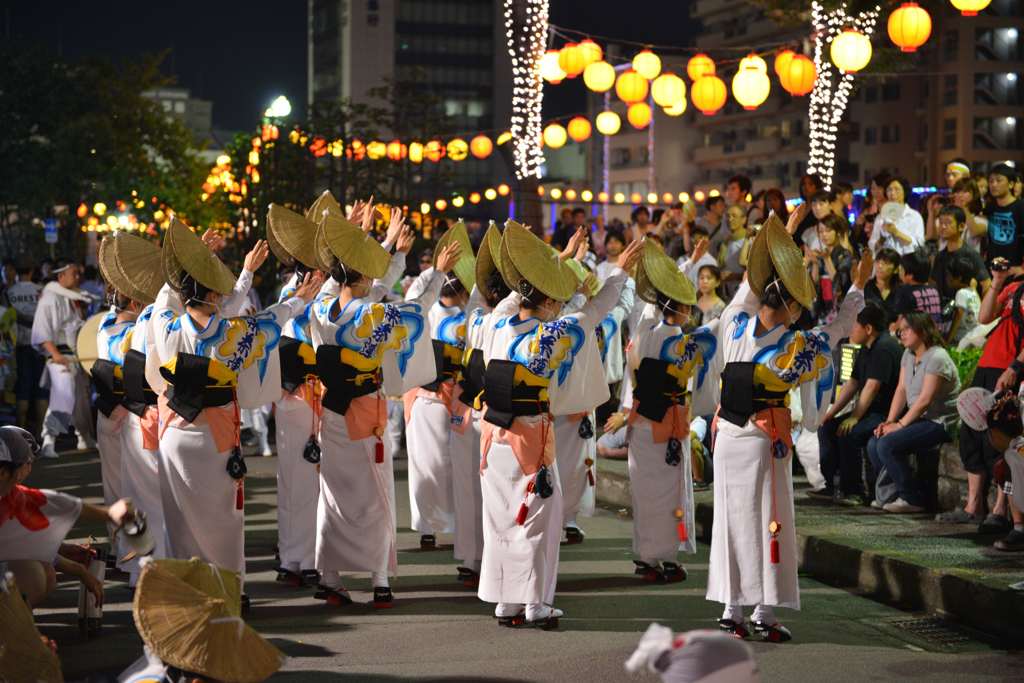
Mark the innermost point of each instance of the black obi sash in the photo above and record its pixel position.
(506, 399)
(656, 390)
(294, 369)
(191, 387)
(342, 382)
(109, 387)
(741, 397)
(472, 381)
(137, 393)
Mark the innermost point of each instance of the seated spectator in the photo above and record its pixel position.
(915, 294)
(951, 230)
(966, 304)
(922, 407)
(711, 305)
(842, 199)
(876, 373)
(901, 227)
(885, 283)
(1000, 367)
(34, 522)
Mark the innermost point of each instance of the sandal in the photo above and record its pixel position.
(736, 628)
(958, 516)
(335, 597)
(773, 633)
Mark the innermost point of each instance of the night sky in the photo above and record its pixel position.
(242, 54)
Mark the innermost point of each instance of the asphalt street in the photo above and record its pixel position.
(439, 630)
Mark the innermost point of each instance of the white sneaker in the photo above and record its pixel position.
(47, 451)
(901, 506)
(875, 504)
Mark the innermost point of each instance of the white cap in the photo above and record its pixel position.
(16, 445)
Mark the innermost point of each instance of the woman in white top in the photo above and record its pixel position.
(897, 226)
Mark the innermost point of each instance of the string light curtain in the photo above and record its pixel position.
(831, 94)
(526, 29)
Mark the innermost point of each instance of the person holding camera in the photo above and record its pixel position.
(1001, 366)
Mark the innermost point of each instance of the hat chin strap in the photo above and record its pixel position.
(777, 284)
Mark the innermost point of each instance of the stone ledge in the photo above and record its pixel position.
(888, 579)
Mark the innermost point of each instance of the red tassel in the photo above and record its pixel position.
(378, 452)
(590, 477)
(774, 548)
(521, 517)
(239, 496)
(681, 530)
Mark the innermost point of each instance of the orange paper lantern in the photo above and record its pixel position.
(639, 114)
(434, 151)
(799, 76)
(599, 76)
(396, 150)
(591, 52)
(708, 94)
(481, 146)
(700, 65)
(782, 61)
(572, 60)
(631, 87)
(850, 51)
(668, 90)
(970, 8)
(579, 129)
(909, 26)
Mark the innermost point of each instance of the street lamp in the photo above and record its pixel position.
(279, 108)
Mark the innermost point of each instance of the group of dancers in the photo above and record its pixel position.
(500, 359)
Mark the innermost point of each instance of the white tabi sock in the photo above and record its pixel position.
(330, 579)
(379, 580)
(764, 613)
(733, 613)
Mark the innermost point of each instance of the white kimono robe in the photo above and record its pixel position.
(199, 496)
(663, 516)
(469, 532)
(298, 481)
(140, 455)
(437, 423)
(59, 316)
(355, 521)
(112, 342)
(520, 561)
(741, 571)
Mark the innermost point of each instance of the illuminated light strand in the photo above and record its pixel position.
(831, 94)
(526, 45)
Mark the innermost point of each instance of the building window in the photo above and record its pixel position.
(950, 45)
(998, 133)
(948, 133)
(870, 135)
(871, 94)
(949, 90)
(179, 107)
(886, 135)
(890, 92)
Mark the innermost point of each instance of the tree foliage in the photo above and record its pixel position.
(83, 132)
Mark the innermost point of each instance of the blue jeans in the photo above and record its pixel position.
(892, 452)
(842, 454)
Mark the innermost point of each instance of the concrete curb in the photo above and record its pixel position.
(889, 580)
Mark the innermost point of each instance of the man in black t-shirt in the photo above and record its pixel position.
(1005, 215)
(876, 373)
(915, 294)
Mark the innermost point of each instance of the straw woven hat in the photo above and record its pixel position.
(338, 238)
(775, 254)
(524, 256)
(657, 272)
(86, 348)
(325, 202)
(183, 250)
(23, 656)
(131, 265)
(465, 267)
(487, 258)
(193, 628)
(291, 236)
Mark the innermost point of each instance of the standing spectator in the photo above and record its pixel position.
(597, 235)
(675, 224)
(810, 185)
(775, 202)
(916, 294)
(641, 224)
(23, 296)
(831, 264)
(614, 243)
(899, 227)
(876, 373)
(965, 304)
(981, 180)
(998, 368)
(885, 283)
(92, 284)
(757, 211)
(731, 248)
(922, 407)
(571, 221)
(711, 305)
(951, 230)
(967, 196)
(863, 226)
(1005, 215)
(737, 189)
(711, 221)
(956, 170)
(842, 199)
(699, 258)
